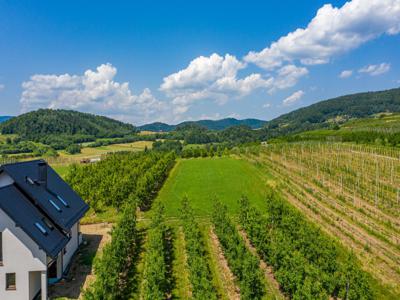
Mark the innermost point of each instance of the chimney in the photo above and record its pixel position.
(42, 173)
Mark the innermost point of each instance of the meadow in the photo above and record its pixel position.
(202, 180)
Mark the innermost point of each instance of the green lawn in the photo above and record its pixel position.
(62, 170)
(203, 179)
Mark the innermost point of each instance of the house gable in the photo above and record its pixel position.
(48, 191)
(28, 218)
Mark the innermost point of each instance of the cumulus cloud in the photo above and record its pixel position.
(94, 91)
(375, 70)
(346, 74)
(331, 32)
(214, 78)
(292, 99)
(288, 76)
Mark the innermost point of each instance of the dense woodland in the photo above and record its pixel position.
(59, 128)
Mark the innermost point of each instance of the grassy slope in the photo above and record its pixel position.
(203, 179)
(388, 124)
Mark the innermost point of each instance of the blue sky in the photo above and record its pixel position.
(178, 60)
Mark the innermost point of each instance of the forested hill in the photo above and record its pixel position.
(4, 118)
(330, 113)
(44, 122)
(209, 124)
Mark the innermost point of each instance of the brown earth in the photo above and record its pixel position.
(80, 274)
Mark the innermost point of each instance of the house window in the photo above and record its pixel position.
(10, 282)
(1, 248)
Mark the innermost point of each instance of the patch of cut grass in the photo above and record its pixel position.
(204, 179)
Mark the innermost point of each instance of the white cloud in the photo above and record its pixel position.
(331, 32)
(202, 71)
(267, 105)
(2, 86)
(288, 76)
(94, 91)
(210, 78)
(375, 70)
(346, 74)
(296, 96)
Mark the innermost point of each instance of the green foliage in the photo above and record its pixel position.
(122, 140)
(307, 263)
(192, 133)
(200, 274)
(115, 267)
(59, 128)
(155, 275)
(244, 265)
(209, 150)
(120, 177)
(328, 113)
(73, 149)
(381, 130)
(209, 124)
(16, 146)
(168, 146)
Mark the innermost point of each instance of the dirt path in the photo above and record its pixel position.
(227, 278)
(95, 236)
(273, 288)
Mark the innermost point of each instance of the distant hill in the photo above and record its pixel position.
(333, 112)
(209, 124)
(4, 118)
(45, 122)
(157, 127)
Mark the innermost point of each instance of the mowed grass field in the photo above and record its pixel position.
(61, 164)
(204, 179)
(88, 152)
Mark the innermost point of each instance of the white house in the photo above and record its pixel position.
(39, 229)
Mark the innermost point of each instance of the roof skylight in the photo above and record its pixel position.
(41, 228)
(55, 205)
(62, 201)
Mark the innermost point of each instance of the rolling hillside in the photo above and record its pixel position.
(209, 124)
(45, 122)
(328, 113)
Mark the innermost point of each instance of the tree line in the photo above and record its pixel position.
(243, 264)
(121, 177)
(306, 262)
(156, 284)
(116, 267)
(197, 260)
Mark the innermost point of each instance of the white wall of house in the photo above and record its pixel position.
(72, 246)
(21, 255)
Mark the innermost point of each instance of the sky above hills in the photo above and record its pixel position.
(145, 61)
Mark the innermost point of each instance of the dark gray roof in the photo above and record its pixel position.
(51, 197)
(26, 216)
(36, 205)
